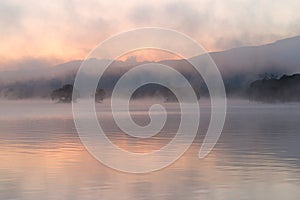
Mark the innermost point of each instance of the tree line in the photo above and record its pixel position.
(65, 94)
(273, 89)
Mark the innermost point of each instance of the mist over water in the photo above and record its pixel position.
(127, 101)
(257, 156)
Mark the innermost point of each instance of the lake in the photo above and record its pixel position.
(257, 156)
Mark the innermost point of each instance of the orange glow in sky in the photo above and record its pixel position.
(149, 55)
(68, 30)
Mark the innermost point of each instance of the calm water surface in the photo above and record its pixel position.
(257, 156)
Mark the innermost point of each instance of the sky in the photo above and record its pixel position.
(48, 32)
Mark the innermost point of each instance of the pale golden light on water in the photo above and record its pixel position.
(42, 156)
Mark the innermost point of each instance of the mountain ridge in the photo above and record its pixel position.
(238, 67)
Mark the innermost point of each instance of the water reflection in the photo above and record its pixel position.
(257, 157)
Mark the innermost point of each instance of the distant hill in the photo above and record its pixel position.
(238, 66)
(284, 89)
(279, 57)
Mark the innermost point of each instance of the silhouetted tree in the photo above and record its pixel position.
(99, 96)
(63, 94)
